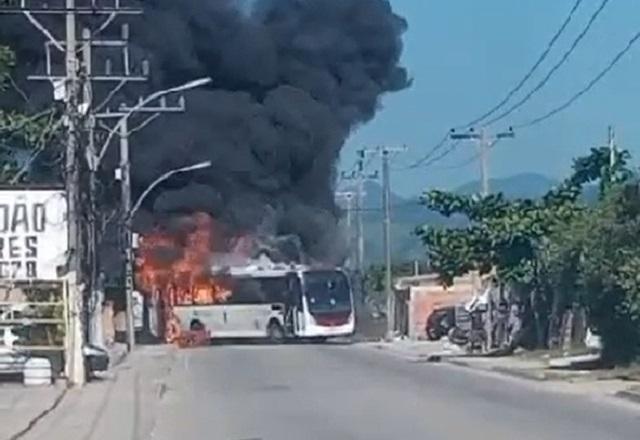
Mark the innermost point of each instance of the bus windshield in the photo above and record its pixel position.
(327, 291)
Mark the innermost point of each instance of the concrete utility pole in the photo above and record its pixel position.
(484, 142)
(612, 151)
(349, 197)
(386, 204)
(144, 105)
(124, 175)
(67, 87)
(359, 176)
(75, 361)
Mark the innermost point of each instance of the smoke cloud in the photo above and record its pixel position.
(291, 80)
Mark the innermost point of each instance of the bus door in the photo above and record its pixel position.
(294, 304)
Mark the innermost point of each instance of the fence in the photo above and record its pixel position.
(33, 322)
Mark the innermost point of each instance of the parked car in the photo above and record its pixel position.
(11, 361)
(439, 322)
(96, 359)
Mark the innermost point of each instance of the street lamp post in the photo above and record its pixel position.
(128, 245)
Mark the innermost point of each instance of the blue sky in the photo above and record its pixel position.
(465, 55)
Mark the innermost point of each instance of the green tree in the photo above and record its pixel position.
(522, 240)
(23, 137)
(605, 263)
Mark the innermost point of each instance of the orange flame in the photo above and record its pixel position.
(178, 265)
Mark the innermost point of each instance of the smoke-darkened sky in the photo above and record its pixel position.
(291, 80)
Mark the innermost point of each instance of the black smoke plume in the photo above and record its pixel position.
(291, 80)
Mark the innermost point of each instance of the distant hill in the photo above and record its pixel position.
(519, 186)
(408, 213)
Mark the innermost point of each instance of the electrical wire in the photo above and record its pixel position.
(531, 71)
(433, 150)
(430, 157)
(554, 69)
(418, 163)
(462, 164)
(587, 88)
(452, 147)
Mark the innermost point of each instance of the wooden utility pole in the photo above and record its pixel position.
(485, 143)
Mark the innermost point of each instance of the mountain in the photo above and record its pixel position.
(519, 186)
(408, 213)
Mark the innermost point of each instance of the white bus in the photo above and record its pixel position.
(275, 303)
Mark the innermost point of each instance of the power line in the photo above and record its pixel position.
(588, 87)
(450, 149)
(554, 69)
(531, 71)
(419, 163)
(430, 157)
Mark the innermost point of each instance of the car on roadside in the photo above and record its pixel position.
(12, 361)
(439, 322)
(96, 360)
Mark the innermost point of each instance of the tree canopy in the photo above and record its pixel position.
(23, 137)
(559, 249)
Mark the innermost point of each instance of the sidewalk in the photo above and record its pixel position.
(121, 405)
(534, 366)
(21, 406)
(632, 394)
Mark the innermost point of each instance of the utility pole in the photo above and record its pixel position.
(75, 370)
(67, 88)
(612, 151)
(485, 143)
(123, 173)
(88, 77)
(386, 204)
(359, 176)
(349, 197)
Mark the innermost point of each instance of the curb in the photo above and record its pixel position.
(34, 421)
(519, 374)
(630, 396)
(412, 357)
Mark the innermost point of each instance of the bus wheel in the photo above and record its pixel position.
(275, 333)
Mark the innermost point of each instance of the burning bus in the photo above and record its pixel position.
(187, 294)
(271, 301)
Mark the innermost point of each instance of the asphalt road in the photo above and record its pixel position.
(341, 392)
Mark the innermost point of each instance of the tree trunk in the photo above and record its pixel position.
(539, 319)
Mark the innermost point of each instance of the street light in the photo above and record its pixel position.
(125, 115)
(162, 178)
(128, 241)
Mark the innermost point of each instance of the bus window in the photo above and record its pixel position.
(258, 291)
